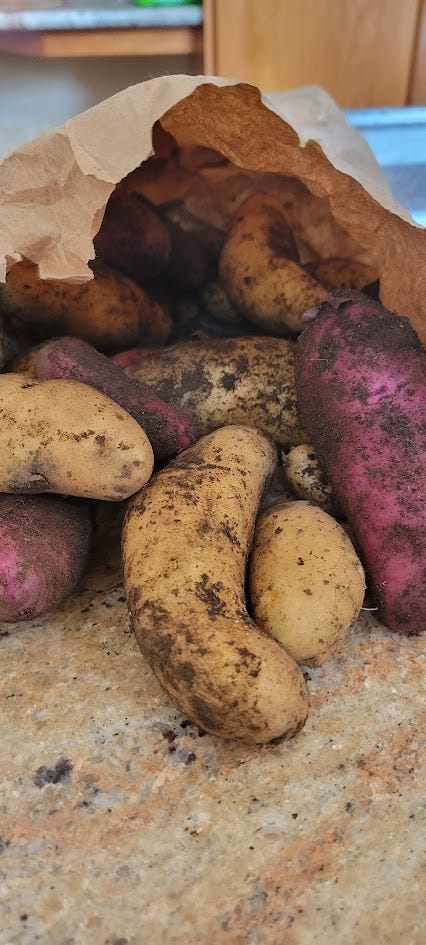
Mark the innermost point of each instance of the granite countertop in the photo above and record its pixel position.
(96, 14)
(121, 824)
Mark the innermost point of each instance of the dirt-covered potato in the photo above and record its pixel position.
(132, 237)
(228, 380)
(185, 544)
(258, 269)
(306, 582)
(338, 273)
(62, 436)
(193, 255)
(110, 311)
(168, 429)
(217, 303)
(305, 476)
(44, 544)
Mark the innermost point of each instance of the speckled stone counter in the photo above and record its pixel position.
(121, 825)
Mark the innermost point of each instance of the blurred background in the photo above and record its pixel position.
(58, 57)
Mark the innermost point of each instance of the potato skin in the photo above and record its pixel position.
(64, 437)
(305, 476)
(361, 377)
(168, 429)
(44, 544)
(306, 582)
(185, 544)
(228, 380)
(131, 355)
(336, 273)
(132, 237)
(193, 256)
(218, 305)
(258, 270)
(110, 311)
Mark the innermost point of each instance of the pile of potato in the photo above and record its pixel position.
(168, 381)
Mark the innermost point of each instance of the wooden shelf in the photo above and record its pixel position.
(166, 41)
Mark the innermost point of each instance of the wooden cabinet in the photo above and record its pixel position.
(417, 91)
(365, 53)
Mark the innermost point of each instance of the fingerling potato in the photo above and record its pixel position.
(110, 310)
(185, 544)
(258, 269)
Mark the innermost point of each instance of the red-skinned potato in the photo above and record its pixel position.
(44, 544)
(361, 388)
(125, 358)
(133, 238)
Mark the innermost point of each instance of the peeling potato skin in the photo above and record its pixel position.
(110, 311)
(258, 270)
(185, 545)
(64, 437)
(226, 381)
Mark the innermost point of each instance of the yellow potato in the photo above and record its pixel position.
(185, 544)
(110, 311)
(217, 304)
(338, 273)
(258, 272)
(305, 476)
(62, 436)
(306, 582)
(228, 380)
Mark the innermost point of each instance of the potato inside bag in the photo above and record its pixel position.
(212, 144)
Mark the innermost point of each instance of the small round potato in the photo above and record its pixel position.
(306, 582)
(305, 476)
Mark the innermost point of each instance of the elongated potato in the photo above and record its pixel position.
(44, 544)
(185, 544)
(306, 582)
(110, 311)
(228, 380)
(258, 270)
(361, 374)
(62, 436)
(338, 273)
(168, 429)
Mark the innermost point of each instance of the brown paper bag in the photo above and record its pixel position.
(53, 190)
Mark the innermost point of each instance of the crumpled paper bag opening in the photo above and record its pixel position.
(53, 191)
